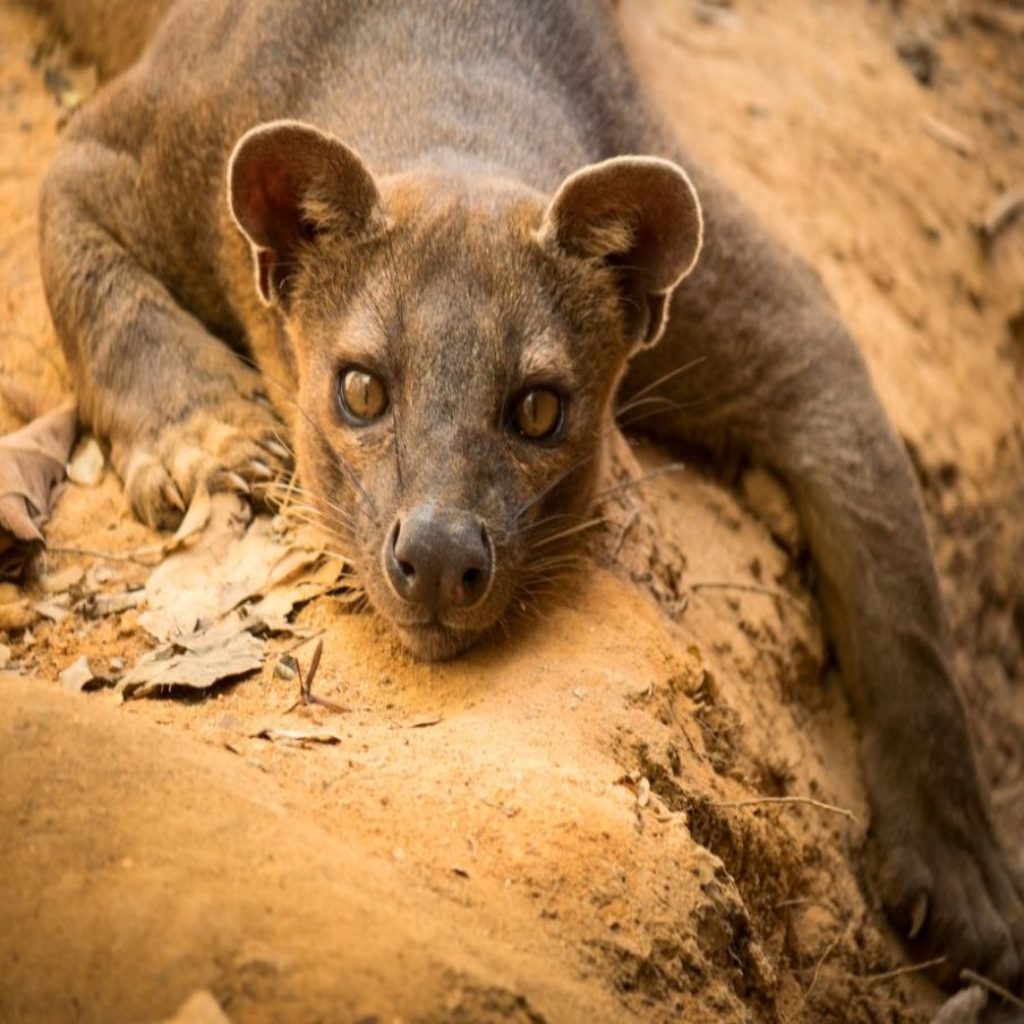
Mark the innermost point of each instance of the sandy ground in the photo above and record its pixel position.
(573, 824)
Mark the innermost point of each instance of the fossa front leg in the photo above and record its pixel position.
(176, 405)
(781, 380)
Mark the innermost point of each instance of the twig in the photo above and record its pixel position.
(993, 986)
(948, 136)
(305, 640)
(306, 695)
(906, 969)
(626, 527)
(752, 588)
(817, 967)
(1000, 213)
(845, 812)
(107, 556)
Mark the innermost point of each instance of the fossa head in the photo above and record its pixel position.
(458, 339)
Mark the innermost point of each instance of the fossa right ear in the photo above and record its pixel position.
(640, 215)
(288, 184)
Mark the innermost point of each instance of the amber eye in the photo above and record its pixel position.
(361, 395)
(538, 414)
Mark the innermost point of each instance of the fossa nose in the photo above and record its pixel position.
(439, 559)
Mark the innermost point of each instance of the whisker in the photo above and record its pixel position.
(570, 531)
(672, 467)
(665, 377)
(545, 491)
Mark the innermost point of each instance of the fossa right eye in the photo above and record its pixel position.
(361, 395)
(538, 414)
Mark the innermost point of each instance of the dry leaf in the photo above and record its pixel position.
(51, 610)
(282, 601)
(227, 565)
(98, 606)
(424, 721)
(80, 678)
(5, 656)
(32, 462)
(59, 582)
(221, 654)
(300, 737)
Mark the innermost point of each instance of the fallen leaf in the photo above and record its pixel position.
(80, 678)
(59, 582)
(223, 653)
(231, 562)
(301, 737)
(284, 599)
(32, 462)
(424, 721)
(51, 610)
(5, 656)
(98, 606)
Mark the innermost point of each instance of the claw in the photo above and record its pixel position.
(276, 449)
(918, 915)
(234, 482)
(259, 470)
(172, 496)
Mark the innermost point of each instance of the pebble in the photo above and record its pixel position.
(86, 465)
(286, 668)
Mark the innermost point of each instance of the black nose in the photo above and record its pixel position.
(439, 559)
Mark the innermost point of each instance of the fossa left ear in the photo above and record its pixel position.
(639, 215)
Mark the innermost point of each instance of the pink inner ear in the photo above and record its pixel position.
(267, 205)
(264, 271)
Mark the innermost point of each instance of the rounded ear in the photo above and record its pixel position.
(639, 215)
(289, 183)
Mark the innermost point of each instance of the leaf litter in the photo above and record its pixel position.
(227, 581)
(224, 652)
(32, 462)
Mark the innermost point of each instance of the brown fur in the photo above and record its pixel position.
(433, 252)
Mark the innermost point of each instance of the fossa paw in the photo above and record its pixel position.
(238, 446)
(953, 895)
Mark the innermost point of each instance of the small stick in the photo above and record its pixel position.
(993, 986)
(1001, 212)
(752, 588)
(817, 967)
(306, 695)
(906, 969)
(626, 527)
(107, 556)
(305, 640)
(845, 812)
(948, 136)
